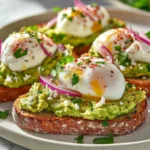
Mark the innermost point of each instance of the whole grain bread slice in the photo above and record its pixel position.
(11, 94)
(49, 123)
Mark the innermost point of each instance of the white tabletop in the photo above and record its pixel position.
(14, 9)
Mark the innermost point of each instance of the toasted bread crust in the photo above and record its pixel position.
(144, 84)
(49, 123)
(10, 94)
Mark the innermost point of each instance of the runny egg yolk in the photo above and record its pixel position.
(97, 88)
(97, 27)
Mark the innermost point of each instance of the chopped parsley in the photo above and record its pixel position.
(4, 114)
(123, 59)
(100, 62)
(105, 123)
(58, 37)
(94, 5)
(148, 34)
(75, 79)
(64, 16)
(87, 60)
(34, 34)
(82, 15)
(76, 100)
(148, 67)
(90, 105)
(104, 140)
(31, 28)
(56, 9)
(39, 92)
(79, 139)
(117, 48)
(20, 53)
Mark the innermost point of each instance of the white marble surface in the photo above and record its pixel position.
(14, 9)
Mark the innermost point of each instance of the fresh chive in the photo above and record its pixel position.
(100, 62)
(56, 9)
(80, 139)
(75, 79)
(20, 53)
(4, 114)
(104, 140)
(105, 123)
(148, 34)
(117, 48)
(76, 100)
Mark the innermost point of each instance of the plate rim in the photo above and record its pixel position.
(50, 141)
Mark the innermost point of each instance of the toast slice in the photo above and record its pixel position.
(143, 84)
(10, 94)
(49, 123)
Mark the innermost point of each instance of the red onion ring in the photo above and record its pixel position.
(84, 8)
(46, 81)
(51, 23)
(0, 47)
(104, 51)
(141, 38)
(45, 50)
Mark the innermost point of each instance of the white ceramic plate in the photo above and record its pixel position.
(139, 139)
(122, 5)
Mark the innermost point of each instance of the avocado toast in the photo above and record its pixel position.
(82, 96)
(24, 57)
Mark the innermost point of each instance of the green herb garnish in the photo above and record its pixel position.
(148, 34)
(39, 92)
(105, 123)
(64, 16)
(123, 59)
(79, 139)
(94, 5)
(20, 53)
(75, 79)
(104, 140)
(58, 37)
(148, 67)
(117, 48)
(4, 114)
(76, 100)
(100, 62)
(56, 9)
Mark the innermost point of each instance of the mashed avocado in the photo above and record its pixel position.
(75, 41)
(41, 99)
(140, 69)
(13, 79)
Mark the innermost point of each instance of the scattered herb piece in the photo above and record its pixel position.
(117, 48)
(58, 37)
(20, 53)
(90, 105)
(79, 139)
(105, 123)
(94, 5)
(87, 60)
(104, 140)
(123, 59)
(100, 62)
(56, 9)
(76, 100)
(4, 114)
(73, 9)
(148, 67)
(39, 92)
(129, 85)
(34, 34)
(148, 34)
(70, 18)
(82, 15)
(75, 79)
(64, 16)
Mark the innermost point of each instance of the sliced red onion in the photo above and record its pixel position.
(84, 8)
(61, 47)
(51, 23)
(47, 81)
(45, 50)
(0, 47)
(141, 38)
(104, 51)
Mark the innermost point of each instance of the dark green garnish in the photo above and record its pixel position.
(80, 63)
(34, 34)
(82, 15)
(75, 79)
(76, 100)
(70, 18)
(100, 62)
(73, 9)
(4, 114)
(90, 105)
(105, 123)
(64, 16)
(148, 34)
(80, 139)
(104, 140)
(148, 67)
(87, 60)
(129, 85)
(56, 9)
(58, 37)
(39, 92)
(117, 48)
(20, 53)
(123, 59)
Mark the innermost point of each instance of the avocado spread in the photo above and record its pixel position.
(75, 41)
(42, 99)
(13, 79)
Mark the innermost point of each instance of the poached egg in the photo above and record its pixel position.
(126, 41)
(21, 51)
(74, 22)
(97, 78)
